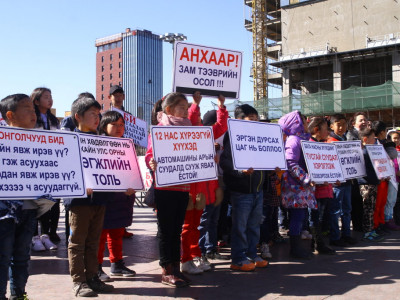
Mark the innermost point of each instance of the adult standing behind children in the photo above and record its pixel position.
(17, 218)
(297, 188)
(43, 102)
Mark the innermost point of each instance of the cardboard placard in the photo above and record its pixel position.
(146, 176)
(322, 162)
(135, 128)
(109, 164)
(256, 145)
(38, 162)
(184, 154)
(212, 71)
(381, 162)
(351, 158)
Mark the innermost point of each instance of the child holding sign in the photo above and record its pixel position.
(119, 210)
(368, 188)
(318, 128)
(297, 188)
(17, 218)
(86, 215)
(171, 201)
(246, 192)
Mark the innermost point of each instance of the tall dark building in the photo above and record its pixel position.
(133, 60)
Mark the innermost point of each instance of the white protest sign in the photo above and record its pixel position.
(351, 158)
(38, 162)
(109, 163)
(256, 145)
(184, 154)
(322, 162)
(381, 162)
(146, 176)
(2, 121)
(135, 128)
(212, 71)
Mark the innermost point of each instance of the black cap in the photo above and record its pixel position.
(210, 118)
(116, 89)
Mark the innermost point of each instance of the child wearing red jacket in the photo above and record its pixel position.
(202, 194)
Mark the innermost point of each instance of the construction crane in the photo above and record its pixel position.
(265, 26)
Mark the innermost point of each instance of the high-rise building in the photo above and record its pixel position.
(133, 60)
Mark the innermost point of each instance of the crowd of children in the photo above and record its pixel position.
(190, 217)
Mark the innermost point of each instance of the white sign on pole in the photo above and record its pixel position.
(381, 162)
(184, 154)
(2, 121)
(109, 163)
(212, 71)
(322, 162)
(135, 128)
(256, 145)
(146, 176)
(351, 158)
(38, 162)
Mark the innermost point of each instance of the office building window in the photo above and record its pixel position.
(102, 68)
(102, 77)
(102, 96)
(119, 74)
(119, 65)
(102, 87)
(120, 55)
(111, 56)
(102, 59)
(110, 76)
(110, 66)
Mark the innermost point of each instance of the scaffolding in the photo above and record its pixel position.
(265, 26)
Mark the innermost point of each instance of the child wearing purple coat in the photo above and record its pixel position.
(297, 188)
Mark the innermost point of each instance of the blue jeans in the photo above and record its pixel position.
(246, 221)
(15, 244)
(208, 241)
(340, 207)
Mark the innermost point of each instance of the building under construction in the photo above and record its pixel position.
(327, 56)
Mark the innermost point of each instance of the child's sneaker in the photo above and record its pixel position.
(377, 237)
(98, 286)
(82, 289)
(47, 243)
(118, 269)
(202, 263)
(260, 263)
(305, 235)
(37, 244)
(24, 296)
(102, 275)
(264, 251)
(190, 268)
(245, 266)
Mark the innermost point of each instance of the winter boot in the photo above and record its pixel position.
(319, 243)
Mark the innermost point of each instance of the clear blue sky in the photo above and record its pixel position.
(51, 43)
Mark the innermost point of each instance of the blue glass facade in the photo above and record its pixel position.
(141, 72)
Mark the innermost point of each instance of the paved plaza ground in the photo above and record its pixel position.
(365, 271)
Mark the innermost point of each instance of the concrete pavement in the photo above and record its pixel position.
(365, 271)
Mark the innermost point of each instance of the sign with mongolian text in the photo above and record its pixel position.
(135, 128)
(34, 163)
(212, 71)
(184, 154)
(256, 145)
(383, 165)
(322, 162)
(146, 176)
(109, 163)
(351, 158)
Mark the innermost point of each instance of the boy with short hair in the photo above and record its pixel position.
(117, 97)
(341, 203)
(247, 199)
(86, 215)
(17, 218)
(368, 188)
